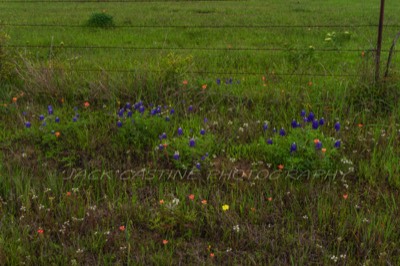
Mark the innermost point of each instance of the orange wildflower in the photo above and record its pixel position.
(316, 141)
(360, 125)
(281, 166)
(57, 134)
(323, 150)
(270, 199)
(86, 104)
(122, 228)
(191, 196)
(40, 231)
(204, 86)
(161, 202)
(212, 255)
(345, 196)
(14, 99)
(204, 202)
(68, 193)
(185, 82)
(165, 241)
(310, 83)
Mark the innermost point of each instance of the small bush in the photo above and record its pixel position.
(100, 20)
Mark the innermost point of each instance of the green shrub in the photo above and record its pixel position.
(100, 20)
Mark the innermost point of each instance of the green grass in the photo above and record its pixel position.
(109, 195)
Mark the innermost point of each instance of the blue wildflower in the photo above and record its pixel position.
(218, 81)
(198, 166)
(41, 117)
(303, 113)
(176, 155)
(172, 111)
(269, 141)
(192, 142)
(180, 131)
(337, 126)
(160, 147)
(294, 123)
(57, 120)
(265, 126)
(337, 144)
(27, 124)
(282, 132)
(322, 121)
(202, 132)
(311, 117)
(119, 123)
(190, 108)
(318, 145)
(293, 147)
(141, 109)
(129, 113)
(74, 119)
(167, 118)
(315, 124)
(163, 135)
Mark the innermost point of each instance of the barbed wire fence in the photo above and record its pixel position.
(184, 27)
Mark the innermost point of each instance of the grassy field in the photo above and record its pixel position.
(200, 133)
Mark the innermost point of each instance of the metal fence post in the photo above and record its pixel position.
(379, 45)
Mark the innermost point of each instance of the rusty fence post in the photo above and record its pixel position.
(379, 45)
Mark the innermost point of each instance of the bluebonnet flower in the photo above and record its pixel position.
(274, 130)
(322, 121)
(311, 117)
(141, 109)
(202, 132)
(44, 124)
(74, 119)
(198, 166)
(205, 120)
(265, 126)
(180, 131)
(218, 81)
(318, 145)
(50, 110)
(294, 123)
(163, 135)
(167, 118)
(172, 111)
(337, 126)
(282, 132)
(128, 105)
(57, 120)
(337, 144)
(75, 108)
(176, 155)
(269, 141)
(27, 124)
(315, 124)
(119, 123)
(24, 113)
(190, 108)
(303, 113)
(293, 147)
(121, 112)
(41, 117)
(129, 113)
(192, 143)
(160, 147)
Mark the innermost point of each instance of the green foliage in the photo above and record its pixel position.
(6, 61)
(100, 20)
